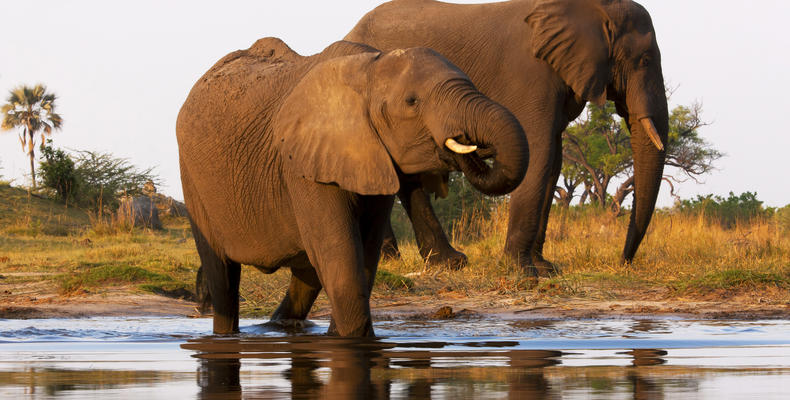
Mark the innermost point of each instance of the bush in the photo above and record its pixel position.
(727, 212)
(92, 179)
(103, 179)
(58, 172)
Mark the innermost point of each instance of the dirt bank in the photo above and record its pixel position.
(26, 302)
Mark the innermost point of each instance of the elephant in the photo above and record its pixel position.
(290, 160)
(543, 60)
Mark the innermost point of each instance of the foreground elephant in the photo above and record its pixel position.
(543, 60)
(293, 161)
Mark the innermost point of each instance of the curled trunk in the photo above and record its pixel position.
(498, 134)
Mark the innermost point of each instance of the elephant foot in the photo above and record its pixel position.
(333, 331)
(540, 267)
(534, 265)
(450, 259)
(389, 251)
(288, 324)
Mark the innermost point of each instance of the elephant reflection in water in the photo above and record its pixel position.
(350, 378)
(363, 370)
(368, 370)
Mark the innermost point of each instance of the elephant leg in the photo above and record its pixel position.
(542, 266)
(528, 200)
(202, 295)
(431, 239)
(327, 218)
(389, 245)
(223, 278)
(373, 227)
(300, 296)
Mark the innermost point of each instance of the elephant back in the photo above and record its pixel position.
(224, 131)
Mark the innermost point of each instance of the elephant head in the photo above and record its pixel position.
(358, 121)
(607, 49)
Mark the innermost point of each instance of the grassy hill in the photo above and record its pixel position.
(65, 250)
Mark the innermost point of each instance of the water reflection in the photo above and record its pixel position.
(457, 359)
(374, 369)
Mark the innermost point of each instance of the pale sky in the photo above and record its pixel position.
(122, 70)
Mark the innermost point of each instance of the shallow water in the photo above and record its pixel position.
(487, 358)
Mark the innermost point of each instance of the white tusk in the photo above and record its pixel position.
(652, 133)
(458, 147)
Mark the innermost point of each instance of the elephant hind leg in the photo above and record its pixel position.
(301, 293)
(222, 277)
(389, 245)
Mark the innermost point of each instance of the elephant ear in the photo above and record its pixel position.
(575, 37)
(323, 132)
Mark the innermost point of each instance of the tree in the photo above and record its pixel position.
(597, 148)
(33, 111)
(103, 178)
(688, 155)
(58, 172)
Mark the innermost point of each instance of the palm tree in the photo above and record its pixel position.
(32, 110)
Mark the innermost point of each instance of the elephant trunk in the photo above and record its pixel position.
(497, 133)
(649, 154)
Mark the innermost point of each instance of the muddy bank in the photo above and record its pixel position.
(120, 303)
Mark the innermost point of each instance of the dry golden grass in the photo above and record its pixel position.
(681, 256)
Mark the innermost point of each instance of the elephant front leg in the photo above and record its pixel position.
(530, 204)
(431, 239)
(327, 217)
(373, 223)
(346, 286)
(542, 266)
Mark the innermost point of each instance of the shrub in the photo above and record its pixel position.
(729, 211)
(58, 172)
(104, 179)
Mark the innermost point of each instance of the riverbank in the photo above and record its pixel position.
(58, 261)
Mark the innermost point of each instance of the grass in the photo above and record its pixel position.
(681, 256)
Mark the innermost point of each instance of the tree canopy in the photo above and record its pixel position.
(32, 110)
(597, 149)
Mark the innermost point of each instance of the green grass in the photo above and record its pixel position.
(92, 275)
(389, 280)
(735, 279)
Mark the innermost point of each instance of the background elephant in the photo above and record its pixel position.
(543, 60)
(293, 161)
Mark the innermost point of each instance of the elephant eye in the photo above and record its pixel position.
(411, 100)
(644, 61)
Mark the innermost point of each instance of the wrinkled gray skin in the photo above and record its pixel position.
(293, 161)
(543, 60)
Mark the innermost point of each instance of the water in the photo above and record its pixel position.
(174, 358)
